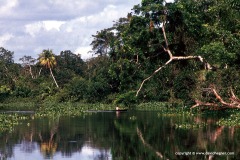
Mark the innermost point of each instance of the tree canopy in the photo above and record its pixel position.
(179, 49)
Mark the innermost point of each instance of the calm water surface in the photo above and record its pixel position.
(121, 136)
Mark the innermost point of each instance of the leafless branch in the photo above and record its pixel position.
(171, 58)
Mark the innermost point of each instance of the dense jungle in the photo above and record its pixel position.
(186, 52)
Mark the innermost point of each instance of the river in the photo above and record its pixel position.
(133, 135)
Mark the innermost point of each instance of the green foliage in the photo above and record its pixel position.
(96, 91)
(51, 109)
(216, 53)
(19, 104)
(232, 120)
(6, 56)
(130, 51)
(123, 72)
(80, 89)
(22, 91)
(224, 78)
(76, 89)
(4, 89)
(68, 66)
(184, 84)
(103, 42)
(8, 121)
(48, 60)
(47, 89)
(126, 99)
(154, 106)
(4, 92)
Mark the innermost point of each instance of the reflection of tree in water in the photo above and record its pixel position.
(6, 152)
(102, 156)
(27, 144)
(48, 146)
(63, 135)
(133, 149)
(74, 133)
(151, 138)
(28, 147)
(139, 133)
(130, 136)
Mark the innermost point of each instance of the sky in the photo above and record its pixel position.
(29, 26)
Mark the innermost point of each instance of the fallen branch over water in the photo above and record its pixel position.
(220, 104)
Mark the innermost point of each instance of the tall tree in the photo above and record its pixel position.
(103, 41)
(69, 66)
(6, 56)
(8, 70)
(190, 28)
(47, 59)
(68, 60)
(28, 61)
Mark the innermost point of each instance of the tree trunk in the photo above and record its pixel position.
(30, 70)
(53, 77)
(8, 73)
(39, 73)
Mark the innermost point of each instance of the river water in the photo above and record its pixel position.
(129, 135)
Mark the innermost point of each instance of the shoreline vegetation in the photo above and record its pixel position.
(11, 114)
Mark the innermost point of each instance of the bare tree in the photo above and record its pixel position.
(28, 61)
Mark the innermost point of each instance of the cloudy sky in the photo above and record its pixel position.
(29, 26)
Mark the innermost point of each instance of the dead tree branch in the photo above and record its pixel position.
(220, 104)
(171, 58)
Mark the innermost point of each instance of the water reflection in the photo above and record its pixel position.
(86, 153)
(128, 135)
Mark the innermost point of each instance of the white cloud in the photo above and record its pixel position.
(56, 24)
(4, 38)
(74, 4)
(43, 26)
(34, 28)
(81, 29)
(84, 51)
(7, 7)
(49, 25)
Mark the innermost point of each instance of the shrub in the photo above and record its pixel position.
(127, 99)
(4, 92)
(22, 91)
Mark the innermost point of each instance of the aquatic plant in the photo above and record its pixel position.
(18, 106)
(190, 125)
(232, 120)
(8, 121)
(70, 109)
(159, 106)
(63, 109)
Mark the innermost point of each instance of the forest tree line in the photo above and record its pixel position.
(180, 49)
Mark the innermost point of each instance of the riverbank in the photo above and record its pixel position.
(12, 113)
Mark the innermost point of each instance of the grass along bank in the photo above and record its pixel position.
(48, 108)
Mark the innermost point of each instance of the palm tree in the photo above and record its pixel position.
(47, 59)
